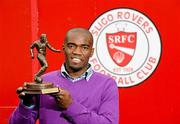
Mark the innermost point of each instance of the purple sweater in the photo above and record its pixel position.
(95, 101)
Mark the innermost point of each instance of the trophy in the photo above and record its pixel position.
(38, 86)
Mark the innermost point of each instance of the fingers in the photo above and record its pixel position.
(63, 98)
(58, 96)
(19, 90)
(28, 99)
(61, 91)
(21, 95)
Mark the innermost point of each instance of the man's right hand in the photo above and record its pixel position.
(27, 99)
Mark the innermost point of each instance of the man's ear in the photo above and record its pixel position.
(63, 47)
(92, 52)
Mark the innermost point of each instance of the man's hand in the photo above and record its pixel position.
(63, 98)
(28, 99)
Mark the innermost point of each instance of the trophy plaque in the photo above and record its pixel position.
(42, 88)
(38, 86)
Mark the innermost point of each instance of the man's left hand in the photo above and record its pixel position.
(63, 98)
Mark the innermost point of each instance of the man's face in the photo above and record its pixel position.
(78, 49)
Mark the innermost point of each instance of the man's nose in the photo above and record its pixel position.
(77, 50)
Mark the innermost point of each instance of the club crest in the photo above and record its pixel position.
(127, 46)
(121, 46)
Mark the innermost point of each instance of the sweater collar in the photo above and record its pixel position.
(86, 75)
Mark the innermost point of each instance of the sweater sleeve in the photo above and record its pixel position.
(108, 111)
(23, 115)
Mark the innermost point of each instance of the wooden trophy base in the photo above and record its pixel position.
(39, 88)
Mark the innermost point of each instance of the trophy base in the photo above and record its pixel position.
(39, 88)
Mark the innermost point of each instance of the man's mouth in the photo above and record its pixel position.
(76, 60)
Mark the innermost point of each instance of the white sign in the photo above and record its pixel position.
(127, 46)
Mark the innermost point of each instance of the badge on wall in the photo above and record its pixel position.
(127, 46)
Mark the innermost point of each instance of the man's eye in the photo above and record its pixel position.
(71, 46)
(85, 47)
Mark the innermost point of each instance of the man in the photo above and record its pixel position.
(40, 46)
(85, 96)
